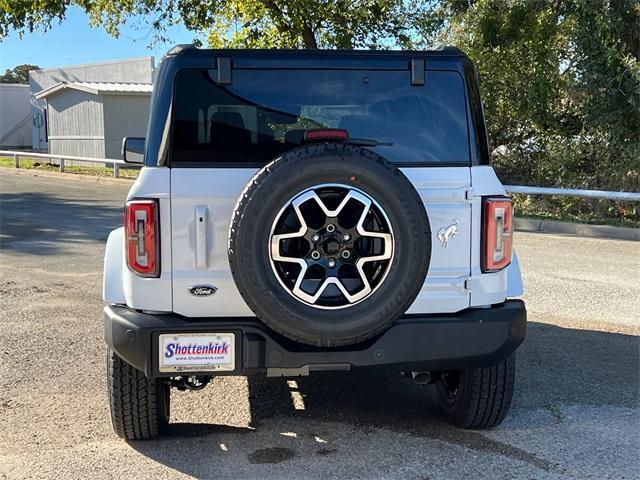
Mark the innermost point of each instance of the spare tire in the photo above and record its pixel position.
(329, 244)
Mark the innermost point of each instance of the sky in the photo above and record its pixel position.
(73, 42)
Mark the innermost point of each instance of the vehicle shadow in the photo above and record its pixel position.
(39, 223)
(556, 367)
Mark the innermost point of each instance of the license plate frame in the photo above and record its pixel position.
(196, 352)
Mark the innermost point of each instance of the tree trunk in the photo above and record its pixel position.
(309, 38)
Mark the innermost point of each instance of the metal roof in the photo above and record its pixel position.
(99, 88)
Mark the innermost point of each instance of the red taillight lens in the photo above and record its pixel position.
(142, 241)
(326, 134)
(497, 214)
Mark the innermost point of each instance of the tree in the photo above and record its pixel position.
(19, 74)
(560, 83)
(248, 23)
(314, 23)
(570, 57)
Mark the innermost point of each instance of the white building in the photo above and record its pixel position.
(90, 119)
(89, 103)
(15, 116)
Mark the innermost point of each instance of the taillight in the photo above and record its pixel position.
(141, 230)
(497, 218)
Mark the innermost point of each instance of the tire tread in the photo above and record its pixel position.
(484, 396)
(135, 401)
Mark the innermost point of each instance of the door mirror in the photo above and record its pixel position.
(133, 150)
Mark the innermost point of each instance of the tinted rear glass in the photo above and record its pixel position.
(266, 112)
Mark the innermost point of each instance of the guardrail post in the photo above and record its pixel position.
(116, 170)
(61, 165)
(16, 160)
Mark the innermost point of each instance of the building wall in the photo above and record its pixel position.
(76, 124)
(15, 116)
(134, 70)
(124, 116)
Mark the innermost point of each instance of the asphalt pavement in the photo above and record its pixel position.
(575, 412)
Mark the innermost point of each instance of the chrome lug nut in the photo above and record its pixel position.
(346, 254)
(315, 238)
(331, 263)
(315, 255)
(346, 237)
(331, 228)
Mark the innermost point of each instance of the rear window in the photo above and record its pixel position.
(264, 113)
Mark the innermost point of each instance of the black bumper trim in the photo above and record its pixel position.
(472, 338)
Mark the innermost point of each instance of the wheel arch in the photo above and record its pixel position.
(515, 288)
(112, 286)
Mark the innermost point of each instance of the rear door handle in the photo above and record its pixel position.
(202, 256)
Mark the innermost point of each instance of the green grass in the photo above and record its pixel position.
(36, 164)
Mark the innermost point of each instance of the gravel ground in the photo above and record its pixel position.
(575, 411)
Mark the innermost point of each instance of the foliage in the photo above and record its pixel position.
(246, 23)
(314, 23)
(561, 88)
(19, 74)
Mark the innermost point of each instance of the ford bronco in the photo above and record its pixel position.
(300, 211)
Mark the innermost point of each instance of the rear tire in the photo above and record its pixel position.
(478, 398)
(139, 405)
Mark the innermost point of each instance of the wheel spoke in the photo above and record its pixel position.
(275, 239)
(387, 239)
(312, 195)
(331, 281)
(277, 256)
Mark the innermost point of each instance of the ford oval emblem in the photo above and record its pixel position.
(203, 290)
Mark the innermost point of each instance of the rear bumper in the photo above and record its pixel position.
(472, 338)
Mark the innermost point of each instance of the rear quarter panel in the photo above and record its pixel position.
(486, 288)
(153, 294)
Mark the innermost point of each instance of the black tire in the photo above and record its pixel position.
(139, 405)
(478, 398)
(268, 192)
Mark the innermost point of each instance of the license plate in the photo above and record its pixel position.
(197, 352)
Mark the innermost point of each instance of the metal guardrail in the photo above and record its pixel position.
(20, 154)
(626, 196)
(572, 192)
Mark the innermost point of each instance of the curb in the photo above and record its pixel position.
(68, 176)
(580, 229)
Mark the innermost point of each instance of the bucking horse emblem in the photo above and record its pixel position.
(448, 232)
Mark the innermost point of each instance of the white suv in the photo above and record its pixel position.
(301, 211)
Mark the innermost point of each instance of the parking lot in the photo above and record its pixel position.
(575, 412)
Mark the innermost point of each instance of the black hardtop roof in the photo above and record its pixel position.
(222, 63)
(192, 51)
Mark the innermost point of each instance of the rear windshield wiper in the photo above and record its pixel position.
(367, 142)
